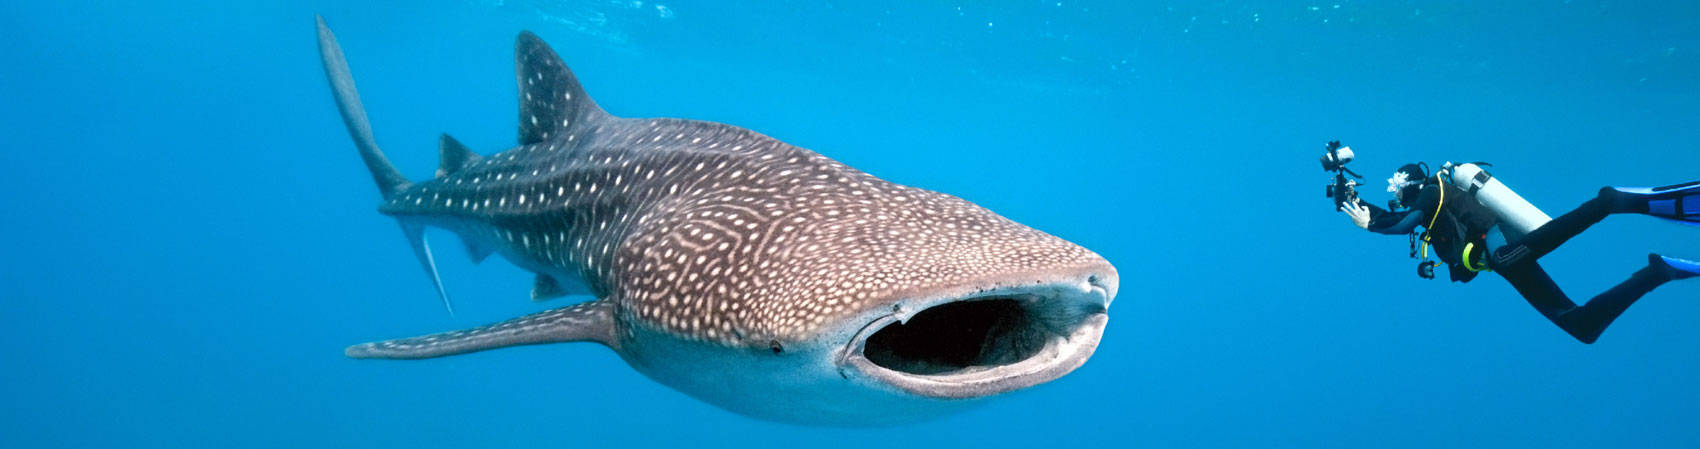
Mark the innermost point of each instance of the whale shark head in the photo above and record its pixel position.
(758, 276)
(882, 303)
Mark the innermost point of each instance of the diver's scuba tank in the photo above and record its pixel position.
(1515, 214)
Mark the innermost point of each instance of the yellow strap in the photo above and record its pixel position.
(1436, 215)
(1467, 266)
(1441, 183)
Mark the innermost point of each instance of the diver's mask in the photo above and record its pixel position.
(1398, 183)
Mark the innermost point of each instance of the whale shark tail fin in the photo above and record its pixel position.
(551, 101)
(389, 179)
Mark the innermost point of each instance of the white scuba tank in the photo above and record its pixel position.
(1515, 214)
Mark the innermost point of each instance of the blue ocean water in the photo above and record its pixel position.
(191, 239)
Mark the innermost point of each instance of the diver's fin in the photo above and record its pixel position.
(389, 179)
(551, 101)
(454, 156)
(422, 248)
(589, 321)
(1679, 203)
(1674, 267)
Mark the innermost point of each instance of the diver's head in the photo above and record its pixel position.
(1406, 183)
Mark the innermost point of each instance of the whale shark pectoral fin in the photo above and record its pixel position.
(551, 101)
(548, 287)
(477, 252)
(422, 248)
(545, 288)
(589, 321)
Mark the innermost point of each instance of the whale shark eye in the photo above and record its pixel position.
(774, 345)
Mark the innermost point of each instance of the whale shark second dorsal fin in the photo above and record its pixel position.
(551, 101)
(454, 156)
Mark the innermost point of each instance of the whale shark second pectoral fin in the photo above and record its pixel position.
(548, 287)
(589, 321)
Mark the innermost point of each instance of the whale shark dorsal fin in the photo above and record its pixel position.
(551, 101)
(455, 156)
(422, 248)
(589, 321)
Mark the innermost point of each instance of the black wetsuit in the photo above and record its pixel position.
(1463, 220)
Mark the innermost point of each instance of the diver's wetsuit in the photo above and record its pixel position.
(1516, 260)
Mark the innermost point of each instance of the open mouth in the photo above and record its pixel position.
(957, 336)
(992, 342)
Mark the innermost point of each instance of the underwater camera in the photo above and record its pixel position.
(1334, 159)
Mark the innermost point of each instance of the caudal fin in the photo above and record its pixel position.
(389, 179)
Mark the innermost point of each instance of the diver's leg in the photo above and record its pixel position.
(1680, 203)
(1538, 288)
(1548, 237)
(1584, 322)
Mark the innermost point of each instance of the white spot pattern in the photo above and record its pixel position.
(710, 231)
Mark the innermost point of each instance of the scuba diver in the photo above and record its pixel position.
(1477, 224)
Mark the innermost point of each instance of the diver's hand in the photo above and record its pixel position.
(1359, 215)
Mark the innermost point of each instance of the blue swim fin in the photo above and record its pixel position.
(1674, 267)
(1679, 203)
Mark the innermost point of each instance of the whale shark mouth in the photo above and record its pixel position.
(983, 344)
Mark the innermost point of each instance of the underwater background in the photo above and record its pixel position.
(191, 240)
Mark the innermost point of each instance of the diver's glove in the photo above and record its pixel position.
(1360, 215)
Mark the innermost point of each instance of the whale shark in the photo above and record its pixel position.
(757, 276)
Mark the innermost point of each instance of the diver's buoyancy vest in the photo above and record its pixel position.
(1464, 212)
(1460, 222)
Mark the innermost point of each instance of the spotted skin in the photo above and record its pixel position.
(712, 249)
(707, 230)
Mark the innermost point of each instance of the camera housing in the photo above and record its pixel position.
(1337, 157)
(1334, 159)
